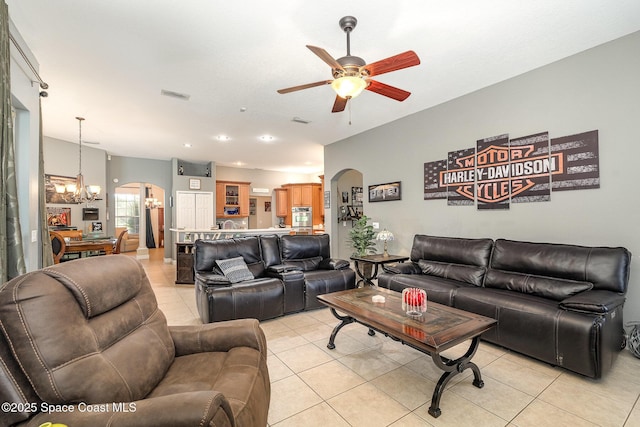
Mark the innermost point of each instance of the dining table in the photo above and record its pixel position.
(90, 245)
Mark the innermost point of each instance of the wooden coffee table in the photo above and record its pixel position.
(438, 329)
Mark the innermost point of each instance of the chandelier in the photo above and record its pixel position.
(78, 192)
(151, 202)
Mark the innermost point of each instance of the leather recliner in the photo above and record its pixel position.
(288, 273)
(83, 343)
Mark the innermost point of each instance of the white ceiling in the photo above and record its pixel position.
(108, 60)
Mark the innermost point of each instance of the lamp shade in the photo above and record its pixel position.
(385, 235)
(349, 86)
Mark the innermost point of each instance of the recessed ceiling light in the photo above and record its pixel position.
(187, 145)
(223, 137)
(266, 138)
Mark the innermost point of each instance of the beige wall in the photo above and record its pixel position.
(596, 89)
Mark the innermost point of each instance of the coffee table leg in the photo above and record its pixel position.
(344, 320)
(453, 368)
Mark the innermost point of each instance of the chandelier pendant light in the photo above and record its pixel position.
(82, 193)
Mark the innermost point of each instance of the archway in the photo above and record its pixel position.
(346, 206)
(140, 208)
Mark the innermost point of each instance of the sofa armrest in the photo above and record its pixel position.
(593, 301)
(175, 410)
(333, 264)
(218, 336)
(283, 268)
(402, 268)
(212, 279)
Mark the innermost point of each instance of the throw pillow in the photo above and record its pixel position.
(462, 273)
(542, 286)
(235, 269)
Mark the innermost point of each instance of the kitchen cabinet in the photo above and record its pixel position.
(317, 206)
(282, 202)
(301, 195)
(232, 199)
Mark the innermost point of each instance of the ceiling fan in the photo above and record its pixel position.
(352, 74)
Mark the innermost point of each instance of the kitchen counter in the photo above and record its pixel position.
(189, 235)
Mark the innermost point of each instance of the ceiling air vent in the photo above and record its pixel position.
(172, 94)
(299, 120)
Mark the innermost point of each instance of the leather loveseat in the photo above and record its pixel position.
(286, 274)
(84, 344)
(561, 304)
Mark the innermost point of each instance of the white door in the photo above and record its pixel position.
(204, 217)
(194, 210)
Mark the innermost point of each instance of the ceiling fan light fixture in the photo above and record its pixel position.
(349, 86)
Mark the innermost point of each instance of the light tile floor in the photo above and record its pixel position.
(374, 381)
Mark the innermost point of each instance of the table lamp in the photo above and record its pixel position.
(385, 235)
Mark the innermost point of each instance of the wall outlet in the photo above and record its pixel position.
(34, 236)
(376, 225)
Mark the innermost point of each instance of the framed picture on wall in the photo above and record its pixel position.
(55, 183)
(58, 217)
(356, 196)
(385, 192)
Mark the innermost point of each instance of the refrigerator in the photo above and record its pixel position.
(302, 220)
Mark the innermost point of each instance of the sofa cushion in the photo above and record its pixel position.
(208, 251)
(438, 289)
(235, 269)
(606, 268)
(451, 249)
(306, 264)
(302, 246)
(547, 287)
(461, 273)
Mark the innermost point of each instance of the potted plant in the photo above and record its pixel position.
(362, 237)
(362, 240)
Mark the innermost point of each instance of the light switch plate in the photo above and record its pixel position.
(34, 236)
(376, 225)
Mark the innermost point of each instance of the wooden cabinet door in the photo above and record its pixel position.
(220, 198)
(282, 202)
(306, 195)
(318, 205)
(295, 195)
(243, 199)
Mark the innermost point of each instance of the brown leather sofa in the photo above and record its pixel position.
(84, 344)
(287, 273)
(561, 304)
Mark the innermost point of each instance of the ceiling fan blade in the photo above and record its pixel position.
(339, 104)
(307, 86)
(389, 91)
(393, 63)
(324, 55)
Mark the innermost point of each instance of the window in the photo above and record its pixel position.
(127, 210)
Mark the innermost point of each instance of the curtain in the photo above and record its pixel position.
(11, 255)
(47, 250)
(150, 240)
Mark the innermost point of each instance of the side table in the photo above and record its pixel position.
(376, 260)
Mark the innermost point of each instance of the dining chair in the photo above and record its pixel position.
(122, 236)
(58, 246)
(71, 234)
